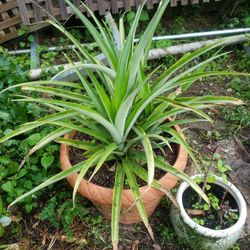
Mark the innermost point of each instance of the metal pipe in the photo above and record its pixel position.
(53, 48)
(156, 38)
(71, 75)
(203, 34)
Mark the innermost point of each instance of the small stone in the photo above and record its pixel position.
(156, 247)
(194, 142)
(53, 39)
(5, 221)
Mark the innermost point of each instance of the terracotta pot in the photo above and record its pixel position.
(101, 197)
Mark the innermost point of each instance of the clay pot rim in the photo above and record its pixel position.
(66, 164)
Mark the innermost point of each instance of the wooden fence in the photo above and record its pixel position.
(14, 13)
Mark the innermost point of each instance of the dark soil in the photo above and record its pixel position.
(214, 219)
(35, 234)
(106, 175)
(28, 232)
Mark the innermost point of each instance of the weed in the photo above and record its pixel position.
(238, 118)
(60, 212)
(15, 182)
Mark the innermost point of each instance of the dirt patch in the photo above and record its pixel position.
(106, 175)
(213, 218)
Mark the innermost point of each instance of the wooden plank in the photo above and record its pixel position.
(127, 5)
(49, 8)
(77, 3)
(173, 3)
(10, 22)
(37, 11)
(138, 3)
(114, 7)
(150, 4)
(101, 7)
(90, 6)
(23, 11)
(56, 13)
(8, 37)
(15, 10)
(8, 6)
(63, 9)
(12, 35)
(184, 2)
(5, 16)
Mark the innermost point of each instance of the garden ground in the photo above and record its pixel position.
(52, 222)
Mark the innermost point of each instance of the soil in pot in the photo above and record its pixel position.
(225, 216)
(106, 175)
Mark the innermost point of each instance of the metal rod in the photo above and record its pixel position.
(156, 38)
(71, 75)
(203, 34)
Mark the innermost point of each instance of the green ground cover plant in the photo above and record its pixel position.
(15, 182)
(35, 109)
(120, 109)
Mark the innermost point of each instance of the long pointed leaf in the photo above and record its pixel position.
(116, 204)
(83, 171)
(84, 111)
(149, 154)
(40, 122)
(160, 163)
(103, 158)
(183, 142)
(76, 143)
(136, 194)
(142, 173)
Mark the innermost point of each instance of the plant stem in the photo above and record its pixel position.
(207, 172)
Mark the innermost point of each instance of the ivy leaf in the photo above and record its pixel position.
(22, 44)
(130, 16)
(211, 179)
(28, 208)
(197, 179)
(4, 160)
(206, 207)
(1, 206)
(33, 139)
(1, 231)
(22, 173)
(144, 16)
(4, 116)
(31, 38)
(22, 30)
(47, 160)
(9, 188)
